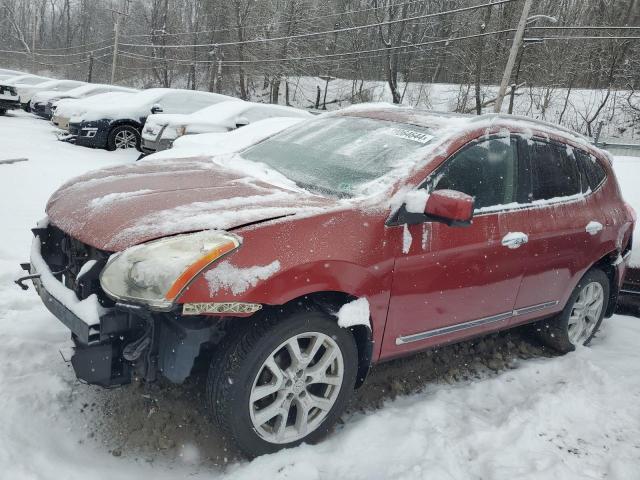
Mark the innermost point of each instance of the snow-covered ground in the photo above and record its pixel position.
(571, 417)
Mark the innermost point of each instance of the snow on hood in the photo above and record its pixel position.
(73, 107)
(44, 96)
(118, 207)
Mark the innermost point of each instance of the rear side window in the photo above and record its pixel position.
(486, 170)
(554, 173)
(593, 173)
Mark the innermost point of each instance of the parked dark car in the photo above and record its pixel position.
(347, 240)
(119, 125)
(9, 99)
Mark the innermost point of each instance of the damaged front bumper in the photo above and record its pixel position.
(114, 342)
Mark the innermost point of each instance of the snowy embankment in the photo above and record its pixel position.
(571, 417)
(553, 104)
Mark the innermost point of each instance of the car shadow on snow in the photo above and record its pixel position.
(161, 421)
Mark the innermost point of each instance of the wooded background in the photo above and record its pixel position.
(238, 46)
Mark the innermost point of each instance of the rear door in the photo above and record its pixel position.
(565, 224)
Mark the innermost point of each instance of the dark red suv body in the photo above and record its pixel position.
(547, 210)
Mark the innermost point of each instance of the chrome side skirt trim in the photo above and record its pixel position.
(534, 308)
(501, 317)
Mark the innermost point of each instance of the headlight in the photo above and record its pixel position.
(155, 273)
(181, 130)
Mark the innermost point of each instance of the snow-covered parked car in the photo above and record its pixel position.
(119, 124)
(27, 92)
(44, 103)
(69, 108)
(161, 130)
(9, 98)
(359, 236)
(209, 144)
(20, 82)
(10, 73)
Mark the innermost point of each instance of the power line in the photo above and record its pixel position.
(284, 22)
(327, 32)
(334, 55)
(75, 46)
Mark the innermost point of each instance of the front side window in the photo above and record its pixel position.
(554, 173)
(488, 171)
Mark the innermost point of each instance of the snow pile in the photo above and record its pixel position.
(416, 200)
(354, 313)
(627, 172)
(225, 275)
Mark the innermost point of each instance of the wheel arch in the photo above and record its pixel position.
(329, 302)
(608, 264)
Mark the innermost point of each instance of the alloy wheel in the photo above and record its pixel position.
(125, 139)
(296, 387)
(585, 313)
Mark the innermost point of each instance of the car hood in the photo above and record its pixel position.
(115, 208)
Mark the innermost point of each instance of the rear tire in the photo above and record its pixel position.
(123, 137)
(265, 398)
(582, 316)
(2, 111)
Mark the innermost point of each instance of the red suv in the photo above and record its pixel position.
(351, 239)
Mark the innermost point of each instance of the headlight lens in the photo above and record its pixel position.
(155, 273)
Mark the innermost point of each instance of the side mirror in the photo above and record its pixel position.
(449, 206)
(157, 108)
(242, 122)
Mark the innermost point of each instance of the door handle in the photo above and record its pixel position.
(593, 227)
(514, 239)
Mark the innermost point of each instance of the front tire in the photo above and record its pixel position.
(123, 137)
(276, 384)
(581, 318)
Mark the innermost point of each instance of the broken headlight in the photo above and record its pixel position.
(156, 273)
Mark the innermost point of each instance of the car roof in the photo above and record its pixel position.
(442, 120)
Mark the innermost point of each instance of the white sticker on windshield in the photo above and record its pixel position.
(419, 137)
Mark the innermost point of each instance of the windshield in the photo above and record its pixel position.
(338, 155)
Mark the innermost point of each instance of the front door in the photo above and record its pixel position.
(452, 282)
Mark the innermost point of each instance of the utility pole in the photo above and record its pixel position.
(90, 75)
(513, 54)
(117, 16)
(33, 40)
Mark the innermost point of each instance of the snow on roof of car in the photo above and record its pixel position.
(89, 87)
(456, 122)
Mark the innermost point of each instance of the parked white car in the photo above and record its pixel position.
(220, 143)
(26, 92)
(44, 102)
(9, 72)
(160, 131)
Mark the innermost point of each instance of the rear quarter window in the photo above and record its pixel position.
(593, 173)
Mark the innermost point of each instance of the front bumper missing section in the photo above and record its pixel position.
(122, 338)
